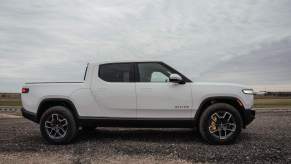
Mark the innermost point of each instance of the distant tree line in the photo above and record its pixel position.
(10, 95)
(280, 94)
(267, 93)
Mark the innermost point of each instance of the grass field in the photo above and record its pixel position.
(260, 102)
(10, 102)
(269, 102)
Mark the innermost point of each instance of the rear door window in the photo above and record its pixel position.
(117, 72)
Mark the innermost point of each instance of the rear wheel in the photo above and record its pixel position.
(220, 124)
(58, 126)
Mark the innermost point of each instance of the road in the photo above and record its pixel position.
(266, 140)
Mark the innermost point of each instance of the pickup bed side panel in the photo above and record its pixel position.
(85, 103)
(39, 92)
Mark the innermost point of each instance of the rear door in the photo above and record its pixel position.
(159, 98)
(114, 90)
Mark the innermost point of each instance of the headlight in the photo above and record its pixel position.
(248, 91)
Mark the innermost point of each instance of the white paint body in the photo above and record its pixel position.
(97, 98)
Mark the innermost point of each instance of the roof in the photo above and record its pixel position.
(124, 61)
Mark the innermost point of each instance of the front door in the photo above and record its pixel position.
(159, 98)
(114, 90)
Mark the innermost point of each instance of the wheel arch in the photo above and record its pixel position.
(50, 102)
(235, 102)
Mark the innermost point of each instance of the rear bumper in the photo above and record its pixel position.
(248, 116)
(29, 115)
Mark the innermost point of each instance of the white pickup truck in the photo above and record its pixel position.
(148, 94)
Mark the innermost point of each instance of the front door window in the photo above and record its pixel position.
(153, 73)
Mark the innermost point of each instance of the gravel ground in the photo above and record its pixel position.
(266, 140)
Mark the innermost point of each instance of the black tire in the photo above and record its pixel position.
(64, 114)
(206, 124)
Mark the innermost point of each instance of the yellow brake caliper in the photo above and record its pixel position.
(212, 126)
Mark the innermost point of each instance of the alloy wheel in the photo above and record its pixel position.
(222, 125)
(56, 126)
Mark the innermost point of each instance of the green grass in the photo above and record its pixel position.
(259, 102)
(10, 102)
(269, 103)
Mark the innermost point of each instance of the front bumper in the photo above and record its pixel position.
(248, 116)
(29, 115)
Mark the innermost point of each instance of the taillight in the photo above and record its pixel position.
(24, 90)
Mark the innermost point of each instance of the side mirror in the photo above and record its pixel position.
(175, 78)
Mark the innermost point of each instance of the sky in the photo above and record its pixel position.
(242, 41)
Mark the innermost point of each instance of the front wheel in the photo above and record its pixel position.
(220, 124)
(58, 126)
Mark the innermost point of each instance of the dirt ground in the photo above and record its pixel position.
(266, 140)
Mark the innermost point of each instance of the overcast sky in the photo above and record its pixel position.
(246, 41)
